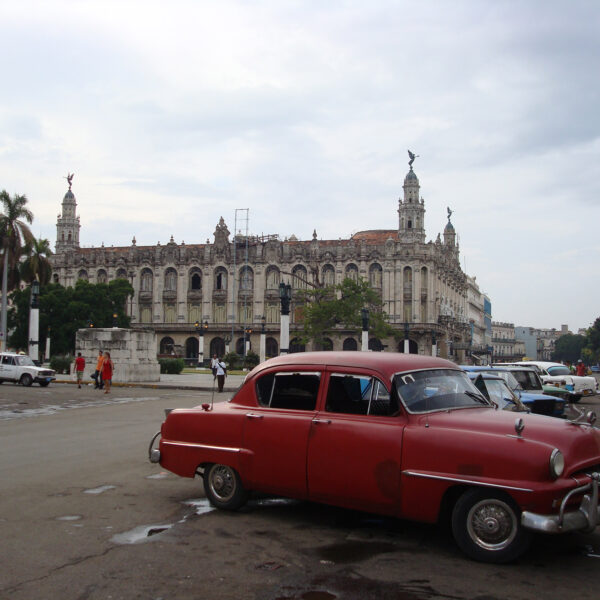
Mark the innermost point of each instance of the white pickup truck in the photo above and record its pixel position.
(19, 368)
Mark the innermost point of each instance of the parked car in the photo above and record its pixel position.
(497, 391)
(19, 368)
(551, 372)
(527, 385)
(395, 434)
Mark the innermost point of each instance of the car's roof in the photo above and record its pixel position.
(496, 367)
(484, 375)
(541, 363)
(386, 363)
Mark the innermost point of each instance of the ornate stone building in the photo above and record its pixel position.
(232, 284)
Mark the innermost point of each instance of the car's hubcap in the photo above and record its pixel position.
(492, 524)
(222, 482)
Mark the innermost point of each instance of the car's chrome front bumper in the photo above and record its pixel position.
(586, 518)
(154, 453)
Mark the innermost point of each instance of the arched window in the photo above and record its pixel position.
(170, 280)
(166, 345)
(299, 277)
(375, 275)
(352, 272)
(121, 274)
(271, 347)
(413, 347)
(55, 278)
(82, 275)
(409, 224)
(195, 281)
(102, 277)
(328, 275)
(350, 344)
(273, 278)
(69, 239)
(146, 280)
(246, 278)
(220, 279)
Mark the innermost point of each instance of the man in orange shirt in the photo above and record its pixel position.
(98, 372)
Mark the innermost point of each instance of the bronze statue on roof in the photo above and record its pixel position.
(412, 157)
(69, 179)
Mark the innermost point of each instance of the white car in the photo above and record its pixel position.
(552, 372)
(19, 368)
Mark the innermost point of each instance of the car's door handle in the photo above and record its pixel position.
(323, 421)
(253, 416)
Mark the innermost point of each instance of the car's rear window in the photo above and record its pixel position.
(293, 391)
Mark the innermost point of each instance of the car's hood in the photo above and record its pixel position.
(533, 396)
(580, 444)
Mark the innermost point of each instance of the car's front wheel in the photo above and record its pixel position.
(486, 526)
(223, 487)
(26, 379)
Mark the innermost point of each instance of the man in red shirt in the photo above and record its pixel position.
(79, 368)
(581, 368)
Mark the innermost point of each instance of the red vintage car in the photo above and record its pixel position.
(395, 434)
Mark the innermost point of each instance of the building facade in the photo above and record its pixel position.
(506, 347)
(231, 285)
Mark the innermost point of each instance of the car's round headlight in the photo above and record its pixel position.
(557, 463)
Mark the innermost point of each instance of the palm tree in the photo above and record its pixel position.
(14, 233)
(36, 265)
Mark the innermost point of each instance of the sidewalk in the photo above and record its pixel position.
(186, 381)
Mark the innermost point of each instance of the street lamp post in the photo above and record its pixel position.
(200, 329)
(34, 322)
(247, 334)
(433, 344)
(285, 295)
(263, 340)
(227, 340)
(406, 342)
(48, 344)
(364, 314)
(115, 316)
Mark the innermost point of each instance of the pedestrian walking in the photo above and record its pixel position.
(214, 361)
(581, 369)
(108, 368)
(79, 368)
(97, 376)
(221, 370)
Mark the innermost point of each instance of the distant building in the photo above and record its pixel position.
(232, 283)
(506, 347)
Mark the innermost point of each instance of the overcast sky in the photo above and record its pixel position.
(173, 114)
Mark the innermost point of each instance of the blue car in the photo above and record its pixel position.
(537, 403)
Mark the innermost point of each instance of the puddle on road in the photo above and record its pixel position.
(100, 489)
(69, 518)
(161, 475)
(201, 506)
(140, 534)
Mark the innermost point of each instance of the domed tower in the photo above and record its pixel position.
(67, 224)
(449, 233)
(411, 211)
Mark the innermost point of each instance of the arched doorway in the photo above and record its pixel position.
(413, 347)
(350, 344)
(297, 346)
(271, 347)
(375, 345)
(191, 347)
(166, 345)
(217, 346)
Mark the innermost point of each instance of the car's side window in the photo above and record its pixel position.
(7, 360)
(293, 391)
(357, 395)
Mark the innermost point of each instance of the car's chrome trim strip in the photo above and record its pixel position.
(201, 446)
(471, 481)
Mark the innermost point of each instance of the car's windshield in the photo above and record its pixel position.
(500, 393)
(24, 361)
(512, 383)
(560, 370)
(438, 389)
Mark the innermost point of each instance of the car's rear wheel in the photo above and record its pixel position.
(486, 526)
(223, 487)
(26, 379)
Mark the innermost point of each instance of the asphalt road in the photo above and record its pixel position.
(84, 515)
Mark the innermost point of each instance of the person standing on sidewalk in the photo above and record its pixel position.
(108, 368)
(79, 368)
(221, 374)
(98, 371)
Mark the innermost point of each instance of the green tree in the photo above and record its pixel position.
(14, 233)
(36, 264)
(331, 308)
(65, 310)
(568, 347)
(591, 353)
